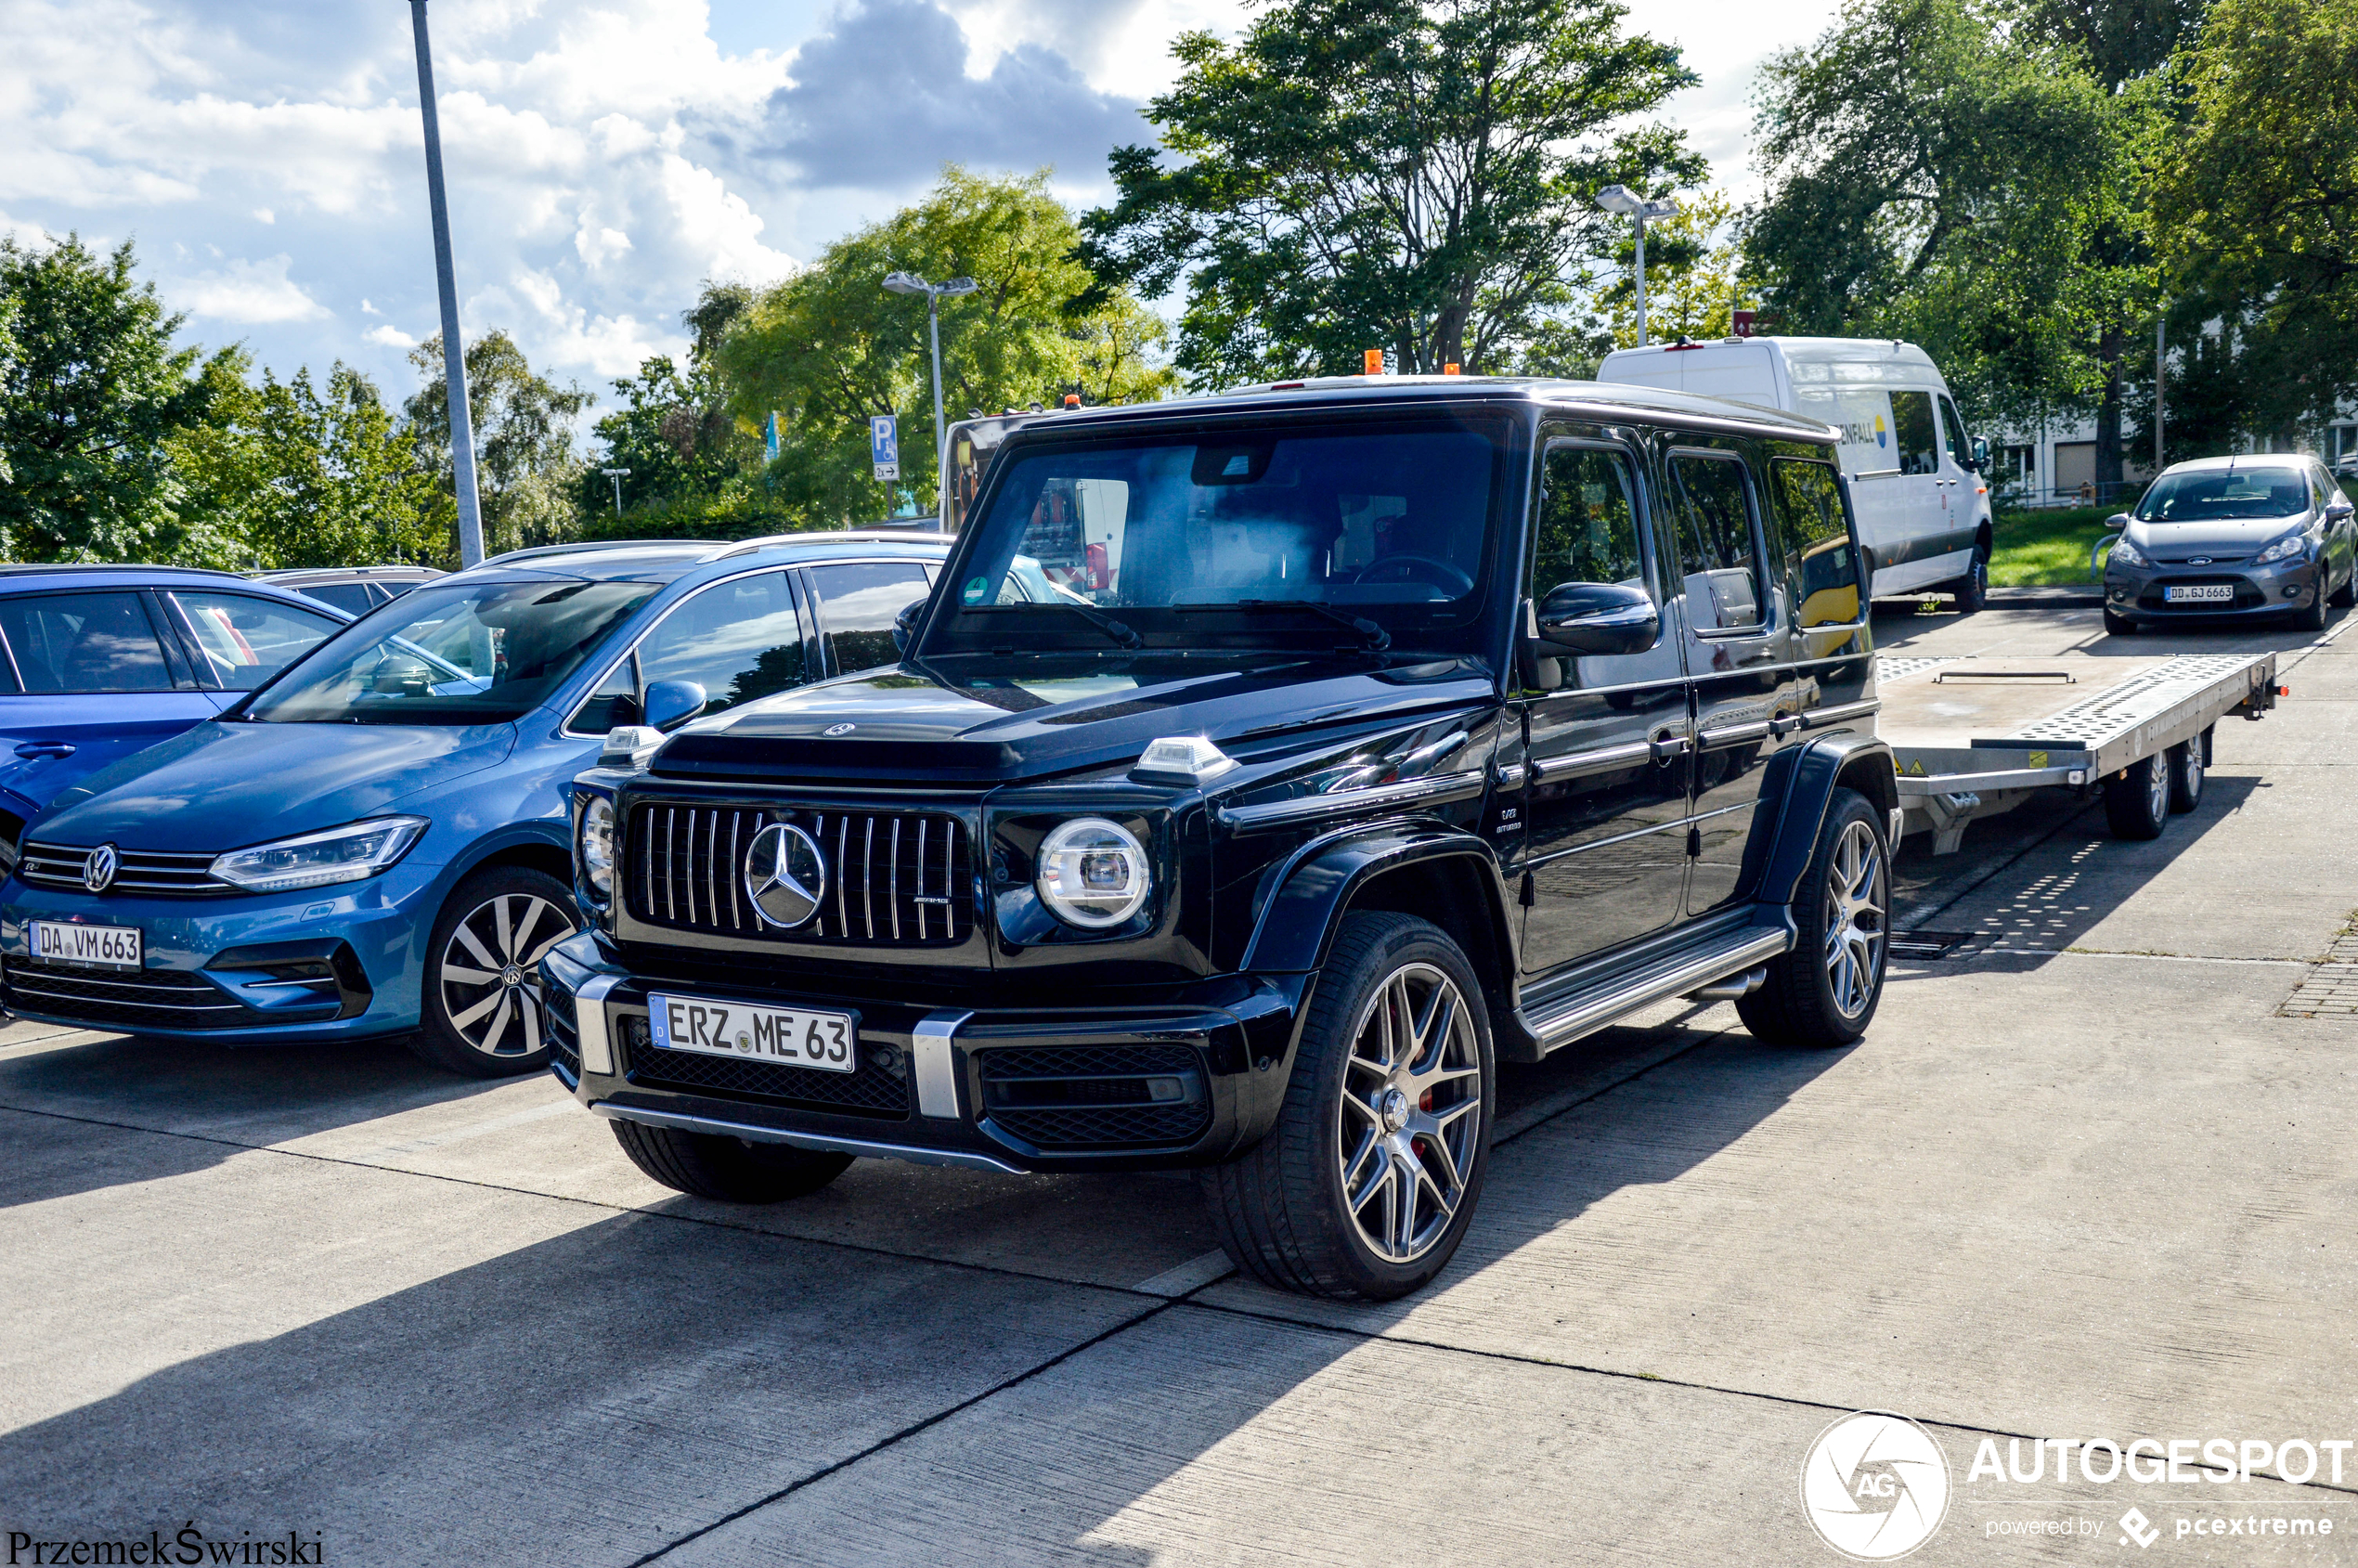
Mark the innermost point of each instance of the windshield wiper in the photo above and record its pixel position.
(1120, 631)
(1371, 635)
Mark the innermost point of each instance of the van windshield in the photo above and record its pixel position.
(2225, 494)
(1367, 532)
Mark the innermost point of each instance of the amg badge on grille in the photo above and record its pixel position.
(786, 874)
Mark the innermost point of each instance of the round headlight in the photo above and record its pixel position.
(1094, 872)
(594, 846)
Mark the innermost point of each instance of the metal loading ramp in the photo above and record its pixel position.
(1972, 737)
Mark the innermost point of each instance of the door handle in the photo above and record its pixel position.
(31, 750)
(1668, 747)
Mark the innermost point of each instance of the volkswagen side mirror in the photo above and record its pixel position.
(1599, 619)
(2117, 522)
(671, 704)
(904, 625)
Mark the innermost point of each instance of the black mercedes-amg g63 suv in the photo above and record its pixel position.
(1262, 771)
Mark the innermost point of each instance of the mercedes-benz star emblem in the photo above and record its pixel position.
(786, 874)
(838, 729)
(98, 871)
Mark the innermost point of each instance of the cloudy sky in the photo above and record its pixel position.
(603, 155)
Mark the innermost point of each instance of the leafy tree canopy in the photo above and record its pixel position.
(1416, 175)
(527, 477)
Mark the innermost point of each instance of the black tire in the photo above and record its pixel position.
(1283, 1209)
(2347, 594)
(728, 1170)
(1971, 592)
(2184, 763)
(458, 1012)
(2137, 800)
(2118, 625)
(1843, 906)
(2313, 616)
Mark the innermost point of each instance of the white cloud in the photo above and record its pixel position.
(390, 336)
(246, 292)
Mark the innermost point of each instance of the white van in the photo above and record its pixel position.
(1916, 485)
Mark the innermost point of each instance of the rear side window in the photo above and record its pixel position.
(1586, 530)
(66, 643)
(738, 640)
(1913, 431)
(353, 599)
(857, 603)
(1810, 513)
(1719, 564)
(247, 640)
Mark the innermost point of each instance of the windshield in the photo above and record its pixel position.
(1331, 533)
(2225, 494)
(483, 653)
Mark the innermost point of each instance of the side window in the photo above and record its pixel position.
(1808, 502)
(615, 701)
(1959, 441)
(1718, 562)
(857, 603)
(738, 640)
(68, 642)
(248, 641)
(1914, 434)
(1586, 527)
(353, 599)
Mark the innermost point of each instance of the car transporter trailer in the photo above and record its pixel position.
(1974, 737)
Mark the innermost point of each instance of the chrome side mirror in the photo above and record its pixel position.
(1599, 619)
(671, 704)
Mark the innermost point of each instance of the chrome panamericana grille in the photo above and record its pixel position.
(894, 879)
(137, 871)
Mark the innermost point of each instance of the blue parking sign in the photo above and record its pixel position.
(884, 444)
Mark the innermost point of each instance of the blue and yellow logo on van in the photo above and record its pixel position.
(1879, 440)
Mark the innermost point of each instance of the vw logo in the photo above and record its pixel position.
(98, 871)
(838, 729)
(786, 874)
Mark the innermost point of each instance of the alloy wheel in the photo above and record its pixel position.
(2157, 788)
(1856, 895)
(490, 981)
(1409, 1124)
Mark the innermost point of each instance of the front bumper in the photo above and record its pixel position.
(1189, 1077)
(2259, 591)
(317, 964)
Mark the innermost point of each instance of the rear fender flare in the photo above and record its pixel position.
(1842, 759)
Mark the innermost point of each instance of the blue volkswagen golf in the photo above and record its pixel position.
(374, 842)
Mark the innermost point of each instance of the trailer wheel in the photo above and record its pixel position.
(2137, 803)
(2186, 774)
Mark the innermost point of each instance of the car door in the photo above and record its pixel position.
(1959, 486)
(857, 601)
(92, 676)
(1916, 489)
(1734, 623)
(1603, 791)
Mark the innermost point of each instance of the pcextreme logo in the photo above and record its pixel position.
(1874, 1485)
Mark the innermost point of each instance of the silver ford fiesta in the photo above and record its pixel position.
(2232, 538)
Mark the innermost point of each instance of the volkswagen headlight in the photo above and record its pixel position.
(2283, 549)
(593, 847)
(1094, 872)
(341, 854)
(2126, 554)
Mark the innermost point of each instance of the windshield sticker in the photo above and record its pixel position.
(978, 589)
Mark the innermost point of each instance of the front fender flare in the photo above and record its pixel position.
(1314, 886)
(1841, 758)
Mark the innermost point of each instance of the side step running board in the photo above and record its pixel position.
(1563, 1021)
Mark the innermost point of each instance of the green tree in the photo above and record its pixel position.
(527, 477)
(89, 398)
(1937, 173)
(2256, 202)
(288, 473)
(1694, 282)
(829, 347)
(1413, 175)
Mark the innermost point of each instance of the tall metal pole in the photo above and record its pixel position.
(2161, 374)
(941, 432)
(1640, 274)
(454, 353)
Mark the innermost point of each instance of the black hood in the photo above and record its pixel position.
(906, 725)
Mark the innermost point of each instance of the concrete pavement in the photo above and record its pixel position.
(2085, 1178)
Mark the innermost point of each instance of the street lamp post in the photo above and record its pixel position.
(1621, 199)
(910, 283)
(453, 353)
(618, 475)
